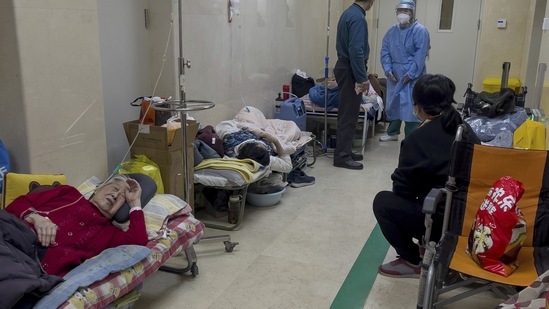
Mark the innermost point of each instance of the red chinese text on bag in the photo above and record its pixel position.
(499, 229)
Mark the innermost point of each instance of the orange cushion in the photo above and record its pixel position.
(524, 275)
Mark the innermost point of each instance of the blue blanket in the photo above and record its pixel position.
(316, 95)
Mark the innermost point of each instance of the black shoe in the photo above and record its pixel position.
(302, 180)
(357, 156)
(350, 164)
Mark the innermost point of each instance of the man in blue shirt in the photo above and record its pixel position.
(351, 76)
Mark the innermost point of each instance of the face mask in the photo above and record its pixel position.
(415, 111)
(403, 18)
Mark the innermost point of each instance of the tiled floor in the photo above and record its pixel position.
(298, 253)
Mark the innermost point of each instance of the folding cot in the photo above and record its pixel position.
(117, 274)
(222, 177)
(236, 175)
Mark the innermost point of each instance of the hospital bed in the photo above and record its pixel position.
(236, 175)
(314, 113)
(367, 118)
(113, 278)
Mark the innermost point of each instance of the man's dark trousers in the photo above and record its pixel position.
(348, 110)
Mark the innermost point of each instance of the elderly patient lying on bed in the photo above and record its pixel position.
(68, 228)
(250, 134)
(71, 229)
(61, 229)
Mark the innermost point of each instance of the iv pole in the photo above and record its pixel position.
(326, 71)
(183, 106)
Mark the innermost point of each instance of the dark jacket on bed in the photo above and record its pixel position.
(22, 280)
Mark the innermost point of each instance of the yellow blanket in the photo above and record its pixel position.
(248, 168)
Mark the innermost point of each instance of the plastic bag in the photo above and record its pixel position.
(530, 135)
(488, 128)
(143, 165)
(172, 124)
(499, 229)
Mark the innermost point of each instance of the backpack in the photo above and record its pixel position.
(301, 86)
(495, 104)
(490, 104)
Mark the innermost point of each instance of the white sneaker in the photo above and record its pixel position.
(387, 138)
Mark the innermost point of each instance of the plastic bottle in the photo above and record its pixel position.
(234, 208)
(286, 92)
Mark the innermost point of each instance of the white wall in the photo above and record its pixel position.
(125, 64)
(243, 62)
(52, 117)
(502, 45)
(248, 60)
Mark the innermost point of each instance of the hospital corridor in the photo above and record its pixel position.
(277, 154)
(318, 248)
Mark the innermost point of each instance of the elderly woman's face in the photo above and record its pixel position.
(110, 198)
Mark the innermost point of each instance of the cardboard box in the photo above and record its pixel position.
(158, 137)
(152, 142)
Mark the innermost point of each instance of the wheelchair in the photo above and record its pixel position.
(446, 265)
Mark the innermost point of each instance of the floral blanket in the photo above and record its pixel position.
(535, 296)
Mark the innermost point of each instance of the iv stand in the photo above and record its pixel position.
(183, 106)
(326, 61)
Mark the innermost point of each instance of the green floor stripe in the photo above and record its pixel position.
(361, 277)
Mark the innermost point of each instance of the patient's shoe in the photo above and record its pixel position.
(298, 179)
(388, 138)
(400, 268)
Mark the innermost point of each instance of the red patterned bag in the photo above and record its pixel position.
(499, 229)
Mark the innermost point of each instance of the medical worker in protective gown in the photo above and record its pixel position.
(403, 53)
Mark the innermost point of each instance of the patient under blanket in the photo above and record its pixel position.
(372, 101)
(281, 137)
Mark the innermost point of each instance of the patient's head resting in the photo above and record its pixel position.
(255, 150)
(111, 195)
